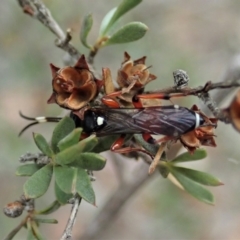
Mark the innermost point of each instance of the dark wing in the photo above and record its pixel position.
(165, 120)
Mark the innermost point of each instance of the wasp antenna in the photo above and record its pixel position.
(40, 119)
(25, 117)
(48, 119)
(25, 128)
(37, 120)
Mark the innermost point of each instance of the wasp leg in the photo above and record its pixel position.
(117, 147)
(164, 96)
(110, 102)
(83, 136)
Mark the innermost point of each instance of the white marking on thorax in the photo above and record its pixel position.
(197, 124)
(100, 121)
(176, 106)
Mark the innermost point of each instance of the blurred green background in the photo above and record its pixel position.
(201, 37)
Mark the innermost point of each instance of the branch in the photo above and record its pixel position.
(37, 10)
(38, 158)
(16, 230)
(220, 114)
(116, 202)
(67, 234)
(187, 91)
(232, 75)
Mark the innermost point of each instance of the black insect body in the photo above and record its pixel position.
(171, 120)
(165, 120)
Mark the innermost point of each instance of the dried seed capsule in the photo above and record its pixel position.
(13, 209)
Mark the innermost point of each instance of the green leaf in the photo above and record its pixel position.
(198, 176)
(62, 129)
(12, 234)
(186, 157)
(64, 178)
(90, 161)
(123, 8)
(193, 188)
(164, 171)
(128, 33)
(36, 231)
(61, 196)
(44, 220)
(27, 169)
(50, 209)
(83, 186)
(42, 144)
(106, 20)
(73, 153)
(85, 29)
(104, 143)
(71, 139)
(30, 235)
(39, 182)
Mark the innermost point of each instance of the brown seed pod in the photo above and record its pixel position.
(234, 112)
(73, 87)
(134, 73)
(13, 209)
(203, 135)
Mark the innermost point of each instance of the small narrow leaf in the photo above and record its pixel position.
(123, 8)
(73, 153)
(63, 128)
(186, 157)
(90, 161)
(27, 169)
(128, 33)
(42, 144)
(84, 186)
(104, 143)
(39, 182)
(193, 188)
(85, 29)
(64, 178)
(30, 235)
(36, 231)
(61, 196)
(43, 220)
(50, 209)
(71, 139)
(164, 171)
(198, 176)
(106, 20)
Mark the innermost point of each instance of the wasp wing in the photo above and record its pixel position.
(165, 120)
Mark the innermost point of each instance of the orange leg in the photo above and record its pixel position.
(110, 102)
(84, 135)
(160, 95)
(117, 147)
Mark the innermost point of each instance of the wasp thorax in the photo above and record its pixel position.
(93, 121)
